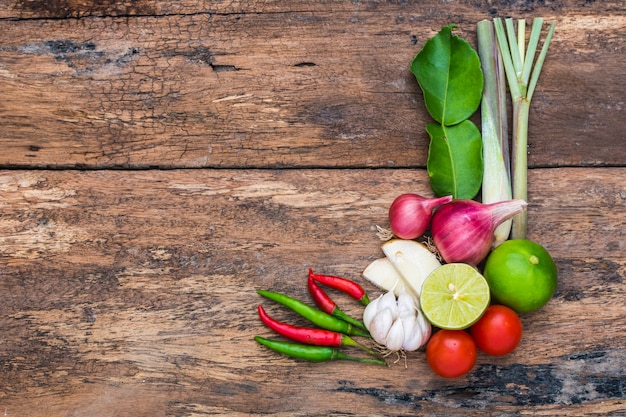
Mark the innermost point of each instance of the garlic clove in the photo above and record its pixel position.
(370, 312)
(395, 337)
(407, 304)
(388, 301)
(380, 325)
(425, 326)
(413, 336)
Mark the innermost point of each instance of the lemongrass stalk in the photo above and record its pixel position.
(496, 174)
(522, 78)
(521, 38)
(519, 165)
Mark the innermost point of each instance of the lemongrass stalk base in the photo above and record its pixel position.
(521, 108)
(496, 175)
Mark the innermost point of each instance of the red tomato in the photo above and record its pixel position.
(451, 353)
(498, 332)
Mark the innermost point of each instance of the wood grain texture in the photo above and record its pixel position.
(133, 293)
(255, 84)
(60, 9)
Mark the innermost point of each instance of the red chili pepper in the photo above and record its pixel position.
(306, 335)
(344, 285)
(322, 299)
(327, 305)
(318, 337)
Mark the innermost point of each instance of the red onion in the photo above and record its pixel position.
(463, 229)
(410, 214)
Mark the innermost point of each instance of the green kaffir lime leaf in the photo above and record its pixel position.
(449, 73)
(455, 159)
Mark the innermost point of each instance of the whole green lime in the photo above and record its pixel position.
(521, 274)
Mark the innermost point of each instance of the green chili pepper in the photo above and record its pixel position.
(311, 353)
(315, 316)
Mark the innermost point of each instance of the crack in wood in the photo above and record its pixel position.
(520, 385)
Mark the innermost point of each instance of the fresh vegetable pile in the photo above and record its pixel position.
(456, 272)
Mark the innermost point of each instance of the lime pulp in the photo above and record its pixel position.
(454, 296)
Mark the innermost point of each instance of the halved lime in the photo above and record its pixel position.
(454, 296)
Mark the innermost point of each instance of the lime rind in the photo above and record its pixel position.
(454, 296)
(522, 275)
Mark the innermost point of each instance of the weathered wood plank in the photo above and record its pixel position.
(63, 9)
(282, 87)
(132, 293)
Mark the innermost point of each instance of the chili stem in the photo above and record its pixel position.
(348, 341)
(343, 356)
(337, 312)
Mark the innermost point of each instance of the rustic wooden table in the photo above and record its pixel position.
(161, 161)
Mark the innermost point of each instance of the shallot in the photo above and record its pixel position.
(410, 214)
(463, 230)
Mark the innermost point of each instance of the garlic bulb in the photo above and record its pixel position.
(397, 324)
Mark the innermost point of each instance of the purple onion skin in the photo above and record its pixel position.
(410, 214)
(463, 229)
